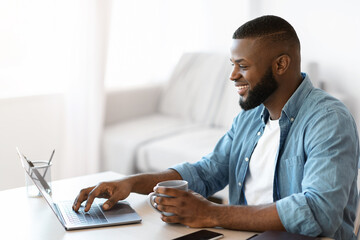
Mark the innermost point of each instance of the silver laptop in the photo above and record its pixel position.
(120, 214)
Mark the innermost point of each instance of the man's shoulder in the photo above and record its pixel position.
(321, 111)
(321, 102)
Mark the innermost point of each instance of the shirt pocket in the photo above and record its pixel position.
(291, 172)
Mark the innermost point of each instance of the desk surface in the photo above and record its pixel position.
(32, 218)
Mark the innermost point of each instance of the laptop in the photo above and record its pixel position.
(121, 213)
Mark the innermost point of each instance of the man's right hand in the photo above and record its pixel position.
(113, 191)
(118, 190)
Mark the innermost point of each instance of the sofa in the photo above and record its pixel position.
(151, 128)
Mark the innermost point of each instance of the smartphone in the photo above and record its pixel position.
(201, 235)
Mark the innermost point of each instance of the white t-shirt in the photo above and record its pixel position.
(260, 178)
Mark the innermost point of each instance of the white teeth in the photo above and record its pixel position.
(242, 87)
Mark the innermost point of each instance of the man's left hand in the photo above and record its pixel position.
(190, 208)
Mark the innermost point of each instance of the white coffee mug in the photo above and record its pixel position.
(177, 184)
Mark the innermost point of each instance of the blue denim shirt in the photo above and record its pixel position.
(315, 179)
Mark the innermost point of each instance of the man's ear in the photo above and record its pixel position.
(281, 64)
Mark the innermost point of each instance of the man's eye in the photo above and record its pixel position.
(240, 66)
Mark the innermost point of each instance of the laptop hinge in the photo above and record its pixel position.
(60, 216)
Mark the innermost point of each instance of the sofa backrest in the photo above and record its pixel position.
(227, 107)
(196, 88)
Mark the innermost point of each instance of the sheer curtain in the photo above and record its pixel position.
(86, 33)
(52, 61)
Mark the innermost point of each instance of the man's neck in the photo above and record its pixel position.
(275, 103)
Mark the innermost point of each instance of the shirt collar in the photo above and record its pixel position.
(295, 102)
(293, 105)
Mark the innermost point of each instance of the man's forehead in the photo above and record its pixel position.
(244, 48)
(252, 48)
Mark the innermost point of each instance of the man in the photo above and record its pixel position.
(290, 158)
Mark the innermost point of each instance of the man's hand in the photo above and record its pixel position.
(119, 190)
(113, 191)
(190, 208)
(193, 210)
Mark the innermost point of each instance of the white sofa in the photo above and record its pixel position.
(151, 128)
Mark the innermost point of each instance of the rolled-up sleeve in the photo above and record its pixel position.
(211, 173)
(329, 176)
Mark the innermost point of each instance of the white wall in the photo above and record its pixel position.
(148, 37)
(35, 124)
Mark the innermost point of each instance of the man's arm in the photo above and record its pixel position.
(120, 189)
(250, 218)
(193, 210)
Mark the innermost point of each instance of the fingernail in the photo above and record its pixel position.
(105, 206)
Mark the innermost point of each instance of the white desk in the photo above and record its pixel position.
(31, 218)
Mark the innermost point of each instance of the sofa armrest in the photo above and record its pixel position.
(127, 103)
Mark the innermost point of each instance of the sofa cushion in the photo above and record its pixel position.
(188, 146)
(195, 86)
(227, 107)
(121, 141)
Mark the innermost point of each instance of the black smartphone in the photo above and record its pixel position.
(201, 235)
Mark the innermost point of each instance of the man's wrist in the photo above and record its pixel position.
(132, 181)
(214, 213)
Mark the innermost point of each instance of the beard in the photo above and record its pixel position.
(260, 92)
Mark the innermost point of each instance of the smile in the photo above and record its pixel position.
(242, 89)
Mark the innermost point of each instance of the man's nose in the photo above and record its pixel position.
(234, 75)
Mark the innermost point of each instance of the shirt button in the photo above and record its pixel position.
(292, 119)
(246, 159)
(239, 184)
(259, 133)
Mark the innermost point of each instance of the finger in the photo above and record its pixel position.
(82, 196)
(92, 195)
(110, 203)
(173, 192)
(168, 209)
(76, 204)
(166, 201)
(171, 219)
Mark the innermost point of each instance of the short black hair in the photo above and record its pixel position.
(269, 27)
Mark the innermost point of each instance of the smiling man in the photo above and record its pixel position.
(290, 158)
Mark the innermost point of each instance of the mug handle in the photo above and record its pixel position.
(151, 201)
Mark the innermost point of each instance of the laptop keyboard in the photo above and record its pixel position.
(94, 215)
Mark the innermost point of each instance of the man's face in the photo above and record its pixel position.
(252, 73)
(261, 91)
